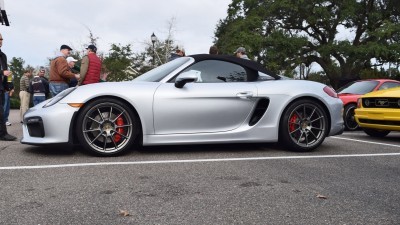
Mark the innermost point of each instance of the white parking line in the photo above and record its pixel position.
(368, 142)
(193, 161)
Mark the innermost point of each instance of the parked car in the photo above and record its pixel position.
(352, 91)
(378, 113)
(200, 99)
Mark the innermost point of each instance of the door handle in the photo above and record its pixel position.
(244, 94)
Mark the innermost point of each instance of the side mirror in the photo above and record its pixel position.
(187, 77)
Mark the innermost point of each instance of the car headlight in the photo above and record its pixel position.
(359, 103)
(60, 96)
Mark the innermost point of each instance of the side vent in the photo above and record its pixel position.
(261, 107)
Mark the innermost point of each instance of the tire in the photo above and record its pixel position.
(303, 126)
(107, 127)
(350, 122)
(376, 133)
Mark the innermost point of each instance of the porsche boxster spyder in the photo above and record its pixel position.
(199, 99)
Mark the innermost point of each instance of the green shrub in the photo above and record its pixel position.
(14, 103)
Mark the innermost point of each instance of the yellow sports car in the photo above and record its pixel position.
(378, 112)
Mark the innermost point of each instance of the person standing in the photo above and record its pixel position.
(213, 50)
(60, 73)
(24, 94)
(4, 72)
(90, 67)
(38, 87)
(179, 52)
(9, 91)
(42, 72)
(241, 53)
(71, 63)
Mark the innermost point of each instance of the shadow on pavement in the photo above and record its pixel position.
(223, 148)
(54, 150)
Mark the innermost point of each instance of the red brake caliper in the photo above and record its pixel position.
(120, 122)
(292, 122)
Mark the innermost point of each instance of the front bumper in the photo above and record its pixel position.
(378, 118)
(50, 125)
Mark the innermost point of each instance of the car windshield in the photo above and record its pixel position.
(157, 74)
(358, 87)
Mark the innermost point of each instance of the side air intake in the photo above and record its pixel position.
(261, 108)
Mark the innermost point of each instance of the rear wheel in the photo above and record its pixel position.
(350, 122)
(107, 127)
(376, 133)
(303, 126)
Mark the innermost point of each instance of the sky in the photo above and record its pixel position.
(38, 28)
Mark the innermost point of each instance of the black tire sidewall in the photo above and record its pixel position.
(376, 133)
(346, 111)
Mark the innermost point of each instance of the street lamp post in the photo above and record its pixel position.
(153, 40)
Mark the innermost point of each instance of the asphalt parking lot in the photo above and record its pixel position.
(350, 179)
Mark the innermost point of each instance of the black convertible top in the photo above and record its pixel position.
(243, 62)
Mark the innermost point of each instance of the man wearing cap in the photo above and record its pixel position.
(71, 63)
(60, 73)
(4, 73)
(179, 52)
(241, 53)
(90, 67)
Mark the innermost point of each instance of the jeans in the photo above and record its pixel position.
(3, 128)
(6, 106)
(38, 99)
(56, 88)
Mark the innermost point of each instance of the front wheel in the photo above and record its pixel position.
(303, 126)
(376, 133)
(107, 127)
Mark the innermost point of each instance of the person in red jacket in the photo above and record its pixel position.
(90, 67)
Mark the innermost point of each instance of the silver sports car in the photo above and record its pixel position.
(200, 99)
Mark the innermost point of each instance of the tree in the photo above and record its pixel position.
(16, 66)
(345, 37)
(118, 62)
(146, 60)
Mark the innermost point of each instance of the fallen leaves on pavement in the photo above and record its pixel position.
(124, 213)
(321, 196)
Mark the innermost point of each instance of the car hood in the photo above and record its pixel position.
(388, 93)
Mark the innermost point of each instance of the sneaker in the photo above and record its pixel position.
(7, 137)
(8, 123)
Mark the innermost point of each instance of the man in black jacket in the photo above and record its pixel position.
(4, 73)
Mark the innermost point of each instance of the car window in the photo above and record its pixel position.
(388, 85)
(262, 77)
(216, 71)
(158, 73)
(358, 87)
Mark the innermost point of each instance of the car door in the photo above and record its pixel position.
(220, 100)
